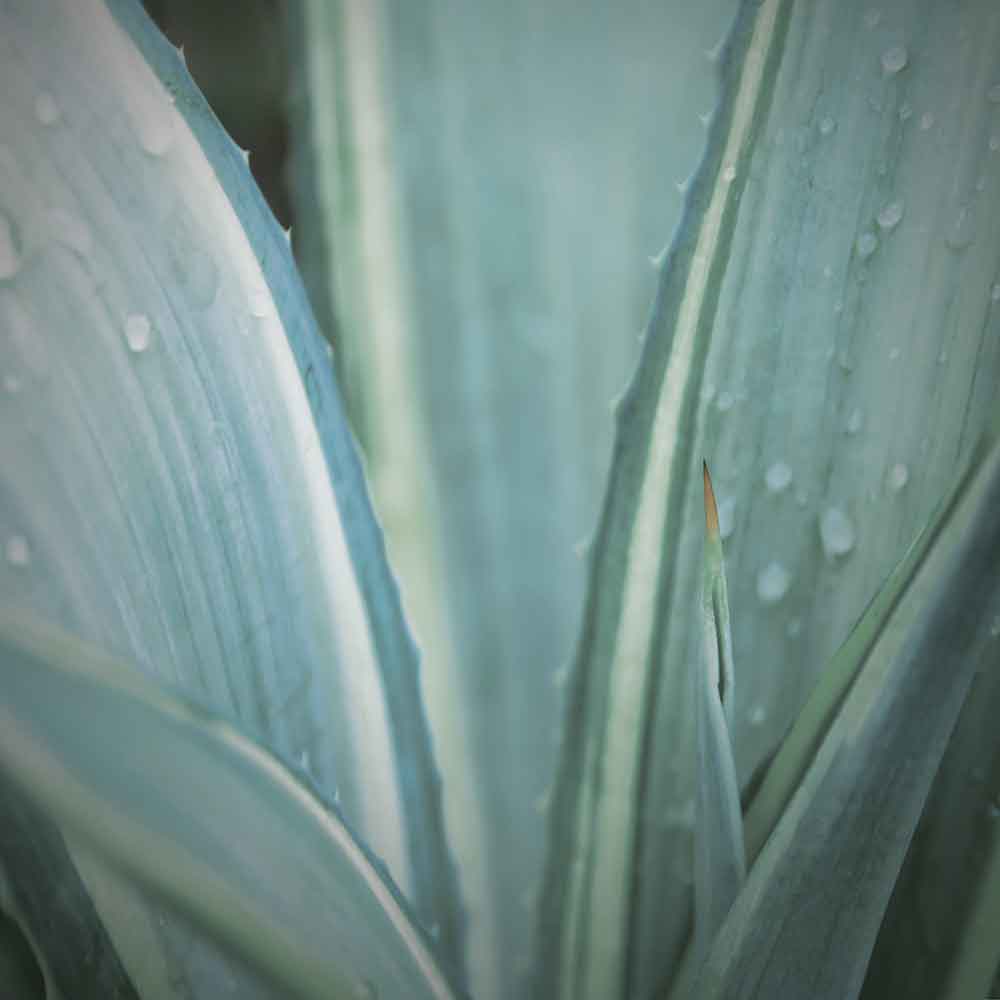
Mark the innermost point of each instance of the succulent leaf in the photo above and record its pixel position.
(207, 820)
(795, 930)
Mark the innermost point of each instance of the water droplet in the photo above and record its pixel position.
(845, 362)
(994, 143)
(927, 120)
(757, 715)
(838, 307)
(894, 59)
(542, 801)
(905, 112)
(46, 109)
(772, 583)
(995, 292)
(138, 332)
(725, 400)
(778, 477)
(70, 230)
(365, 990)
(890, 215)
(727, 516)
(943, 358)
(855, 421)
(894, 354)
(827, 125)
(10, 248)
(156, 130)
(304, 762)
(962, 231)
(17, 551)
(11, 384)
(866, 245)
(899, 476)
(872, 17)
(995, 627)
(729, 174)
(993, 94)
(260, 303)
(836, 532)
(794, 627)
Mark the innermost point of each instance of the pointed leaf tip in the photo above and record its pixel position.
(711, 510)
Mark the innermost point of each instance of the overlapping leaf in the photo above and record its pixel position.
(214, 825)
(177, 480)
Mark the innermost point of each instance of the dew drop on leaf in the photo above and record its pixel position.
(778, 476)
(138, 332)
(899, 476)
(46, 109)
(725, 400)
(260, 303)
(70, 230)
(995, 292)
(962, 231)
(827, 125)
(836, 531)
(727, 516)
(894, 59)
(772, 583)
(757, 715)
(855, 421)
(890, 216)
(927, 120)
(17, 551)
(867, 245)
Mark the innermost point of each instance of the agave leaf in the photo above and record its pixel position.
(52, 941)
(794, 930)
(719, 860)
(938, 938)
(474, 179)
(784, 772)
(839, 377)
(177, 480)
(213, 823)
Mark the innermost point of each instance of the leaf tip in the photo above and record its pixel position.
(711, 510)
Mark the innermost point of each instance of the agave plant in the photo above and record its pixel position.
(663, 770)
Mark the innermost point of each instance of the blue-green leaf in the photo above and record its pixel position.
(719, 859)
(485, 185)
(177, 480)
(211, 823)
(807, 919)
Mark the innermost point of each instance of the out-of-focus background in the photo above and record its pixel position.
(235, 50)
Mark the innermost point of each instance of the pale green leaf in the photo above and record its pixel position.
(483, 187)
(808, 916)
(719, 859)
(827, 329)
(177, 480)
(182, 803)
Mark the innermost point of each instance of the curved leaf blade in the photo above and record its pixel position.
(794, 930)
(177, 475)
(211, 822)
